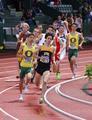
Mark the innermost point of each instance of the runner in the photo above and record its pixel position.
(23, 34)
(73, 43)
(46, 52)
(41, 41)
(27, 63)
(21, 39)
(60, 54)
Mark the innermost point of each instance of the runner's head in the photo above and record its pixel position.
(36, 32)
(50, 29)
(49, 38)
(30, 38)
(25, 27)
(61, 29)
(74, 27)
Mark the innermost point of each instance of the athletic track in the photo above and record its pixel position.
(64, 100)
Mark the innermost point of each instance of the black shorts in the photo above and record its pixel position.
(41, 69)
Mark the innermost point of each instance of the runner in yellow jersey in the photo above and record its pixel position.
(26, 65)
(73, 43)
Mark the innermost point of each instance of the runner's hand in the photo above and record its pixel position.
(80, 47)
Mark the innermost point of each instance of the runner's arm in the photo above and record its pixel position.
(82, 40)
(20, 51)
(67, 41)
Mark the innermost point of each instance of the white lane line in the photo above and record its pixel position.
(8, 71)
(8, 114)
(12, 80)
(9, 77)
(70, 97)
(2, 110)
(7, 63)
(60, 110)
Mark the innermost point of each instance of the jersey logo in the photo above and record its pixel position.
(73, 42)
(28, 55)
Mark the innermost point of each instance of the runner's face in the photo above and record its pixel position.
(31, 38)
(61, 29)
(25, 28)
(36, 32)
(74, 27)
(48, 39)
(55, 25)
(49, 30)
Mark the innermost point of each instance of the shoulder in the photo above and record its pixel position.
(53, 48)
(79, 34)
(23, 45)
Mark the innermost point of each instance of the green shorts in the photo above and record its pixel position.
(72, 52)
(24, 71)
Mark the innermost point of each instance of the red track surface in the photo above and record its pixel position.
(12, 109)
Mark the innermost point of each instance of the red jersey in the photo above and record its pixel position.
(57, 47)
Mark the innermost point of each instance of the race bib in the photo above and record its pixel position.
(44, 59)
(73, 42)
(28, 55)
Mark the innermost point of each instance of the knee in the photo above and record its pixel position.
(29, 76)
(46, 76)
(73, 58)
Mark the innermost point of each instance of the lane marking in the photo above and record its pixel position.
(8, 71)
(60, 110)
(8, 114)
(9, 77)
(2, 110)
(70, 97)
(7, 63)
(12, 80)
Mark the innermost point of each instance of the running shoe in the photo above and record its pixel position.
(40, 87)
(41, 101)
(21, 97)
(58, 76)
(74, 76)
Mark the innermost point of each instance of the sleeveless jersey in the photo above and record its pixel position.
(73, 41)
(62, 40)
(57, 47)
(45, 55)
(28, 53)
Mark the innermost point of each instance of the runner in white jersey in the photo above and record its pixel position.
(65, 24)
(62, 21)
(62, 52)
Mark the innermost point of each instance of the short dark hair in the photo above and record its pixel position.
(51, 26)
(49, 34)
(30, 34)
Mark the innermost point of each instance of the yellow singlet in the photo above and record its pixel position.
(73, 41)
(28, 53)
